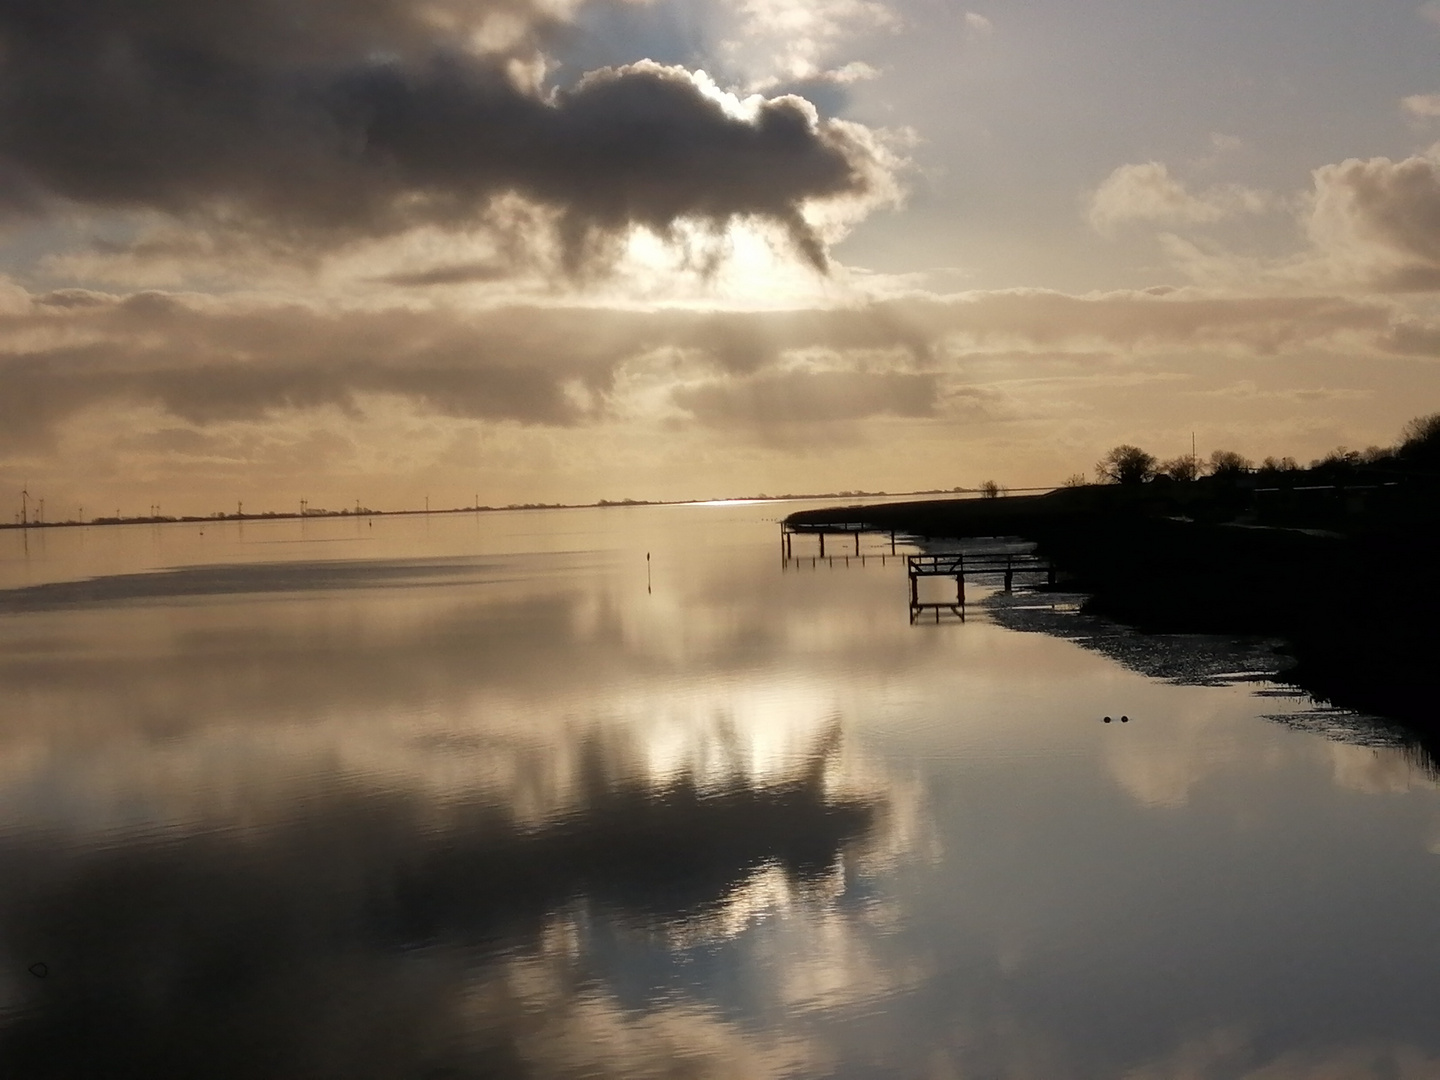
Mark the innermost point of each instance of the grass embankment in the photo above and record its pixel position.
(1355, 597)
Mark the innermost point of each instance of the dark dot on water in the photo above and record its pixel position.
(1107, 719)
(1124, 719)
(40, 970)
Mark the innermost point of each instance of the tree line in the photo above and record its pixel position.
(1418, 448)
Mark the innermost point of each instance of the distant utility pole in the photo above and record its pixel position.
(302, 507)
(25, 504)
(239, 509)
(427, 504)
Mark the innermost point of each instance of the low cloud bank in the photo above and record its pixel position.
(206, 361)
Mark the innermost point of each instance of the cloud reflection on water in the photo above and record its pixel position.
(434, 799)
(250, 953)
(542, 821)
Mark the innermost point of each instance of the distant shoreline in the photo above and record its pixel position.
(366, 512)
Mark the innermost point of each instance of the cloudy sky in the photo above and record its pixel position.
(565, 250)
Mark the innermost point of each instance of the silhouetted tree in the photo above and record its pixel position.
(1342, 457)
(1420, 441)
(1125, 464)
(1186, 467)
(1229, 463)
(1075, 480)
(990, 490)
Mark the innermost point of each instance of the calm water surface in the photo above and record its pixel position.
(492, 795)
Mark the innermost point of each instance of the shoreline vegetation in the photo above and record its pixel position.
(1339, 560)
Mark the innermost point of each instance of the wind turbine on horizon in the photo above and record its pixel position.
(25, 504)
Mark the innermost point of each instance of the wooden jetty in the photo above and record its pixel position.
(995, 565)
(1004, 565)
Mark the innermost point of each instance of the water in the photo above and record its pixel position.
(495, 795)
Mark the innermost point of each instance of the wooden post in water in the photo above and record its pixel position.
(960, 581)
(822, 543)
(892, 541)
(857, 541)
(1009, 574)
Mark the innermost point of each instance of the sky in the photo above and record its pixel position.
(507, 251)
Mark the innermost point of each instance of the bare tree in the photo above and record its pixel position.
(1186, 467)
(1421, 429)
(1229, 463)
(990, 490)
(1421, 438)
(1342, 457)
(1125, 464)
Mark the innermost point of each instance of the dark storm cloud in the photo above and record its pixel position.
(204, 360)
(316, 122)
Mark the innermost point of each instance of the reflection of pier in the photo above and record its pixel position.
(845, 532)
(1004, 565)
(844, 545)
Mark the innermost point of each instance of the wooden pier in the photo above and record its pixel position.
(1000, 566)
(1004, 565)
